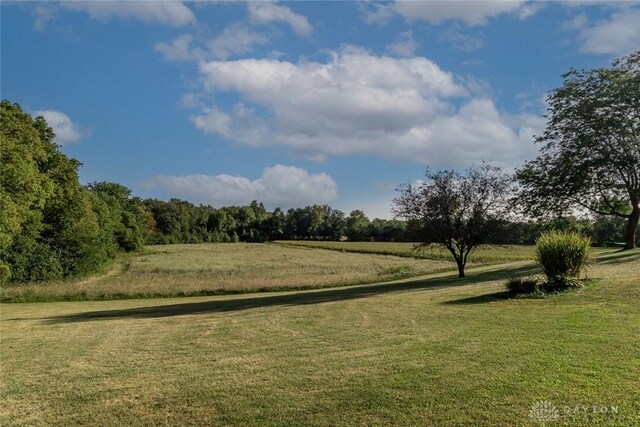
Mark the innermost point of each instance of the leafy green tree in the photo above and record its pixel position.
(333, 225)
(122, 215)
(356, 226)
(590, 159)
(459, 211)
(274, 225)
(24, 189)
(607, 229)
(48, 228)
(383, 230)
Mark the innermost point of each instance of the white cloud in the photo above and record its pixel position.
(358, 103)
(578, 22)
(165, 12)
(236, 39)
(284, 186)
(461, 40)
(376, 13)
(405, 46)
(178, 50)
(620, 34)
(66, 131)
(472, 12)
(267, 12)
(242, 125)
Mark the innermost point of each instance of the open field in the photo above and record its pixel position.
(486, 255)
(206, 269)
(434, 351)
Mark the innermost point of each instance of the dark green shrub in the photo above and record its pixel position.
(34, 262)
(560, 283)
(523, 285)
(563, 256)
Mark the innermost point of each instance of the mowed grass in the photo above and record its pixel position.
(483, 255)
(438, 351)
(209, 269)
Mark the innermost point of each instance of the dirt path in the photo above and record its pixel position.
(118, 267)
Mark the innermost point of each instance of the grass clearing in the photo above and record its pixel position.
(210, 269)
(485, 255)
(435, 351)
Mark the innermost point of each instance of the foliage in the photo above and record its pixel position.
(47, 227)
(523, 285)
(356, 226)
(24, 189)
(590, 157)
(457, 211)
(563, 256)
(121, 215)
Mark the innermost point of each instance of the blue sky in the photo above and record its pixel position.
(295, 103)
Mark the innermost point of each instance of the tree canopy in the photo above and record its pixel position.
(590, 155)
(48, 228)
(459, 211)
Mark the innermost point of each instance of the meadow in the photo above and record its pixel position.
(434, 350)
(209, 269)
(483, 255)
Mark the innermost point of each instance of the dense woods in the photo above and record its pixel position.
(52, 227)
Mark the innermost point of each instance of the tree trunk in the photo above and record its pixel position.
(460, 268)
(632, 225)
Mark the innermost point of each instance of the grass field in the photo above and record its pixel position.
(485, 255)
(208, 269)
(435, 351)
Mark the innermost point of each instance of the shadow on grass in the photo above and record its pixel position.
(619, 257)
(482, 299)
(291, 299)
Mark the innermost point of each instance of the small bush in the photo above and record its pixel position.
(560, 283)
(523, 285)
(563, 256)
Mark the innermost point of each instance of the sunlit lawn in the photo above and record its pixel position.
(437, 351)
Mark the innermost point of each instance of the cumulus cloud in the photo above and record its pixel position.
(619, 34)
(358, 103)
(267, 12)
(472, 12)
(65, 130)
(236, 39)
(166, 12)
(279, 185)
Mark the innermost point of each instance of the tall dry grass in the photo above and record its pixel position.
(207, 269)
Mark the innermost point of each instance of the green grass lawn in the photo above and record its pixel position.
(435, 351)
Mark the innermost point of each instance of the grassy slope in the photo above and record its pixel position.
(437, 351)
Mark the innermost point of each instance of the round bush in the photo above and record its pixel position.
(563, 255)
